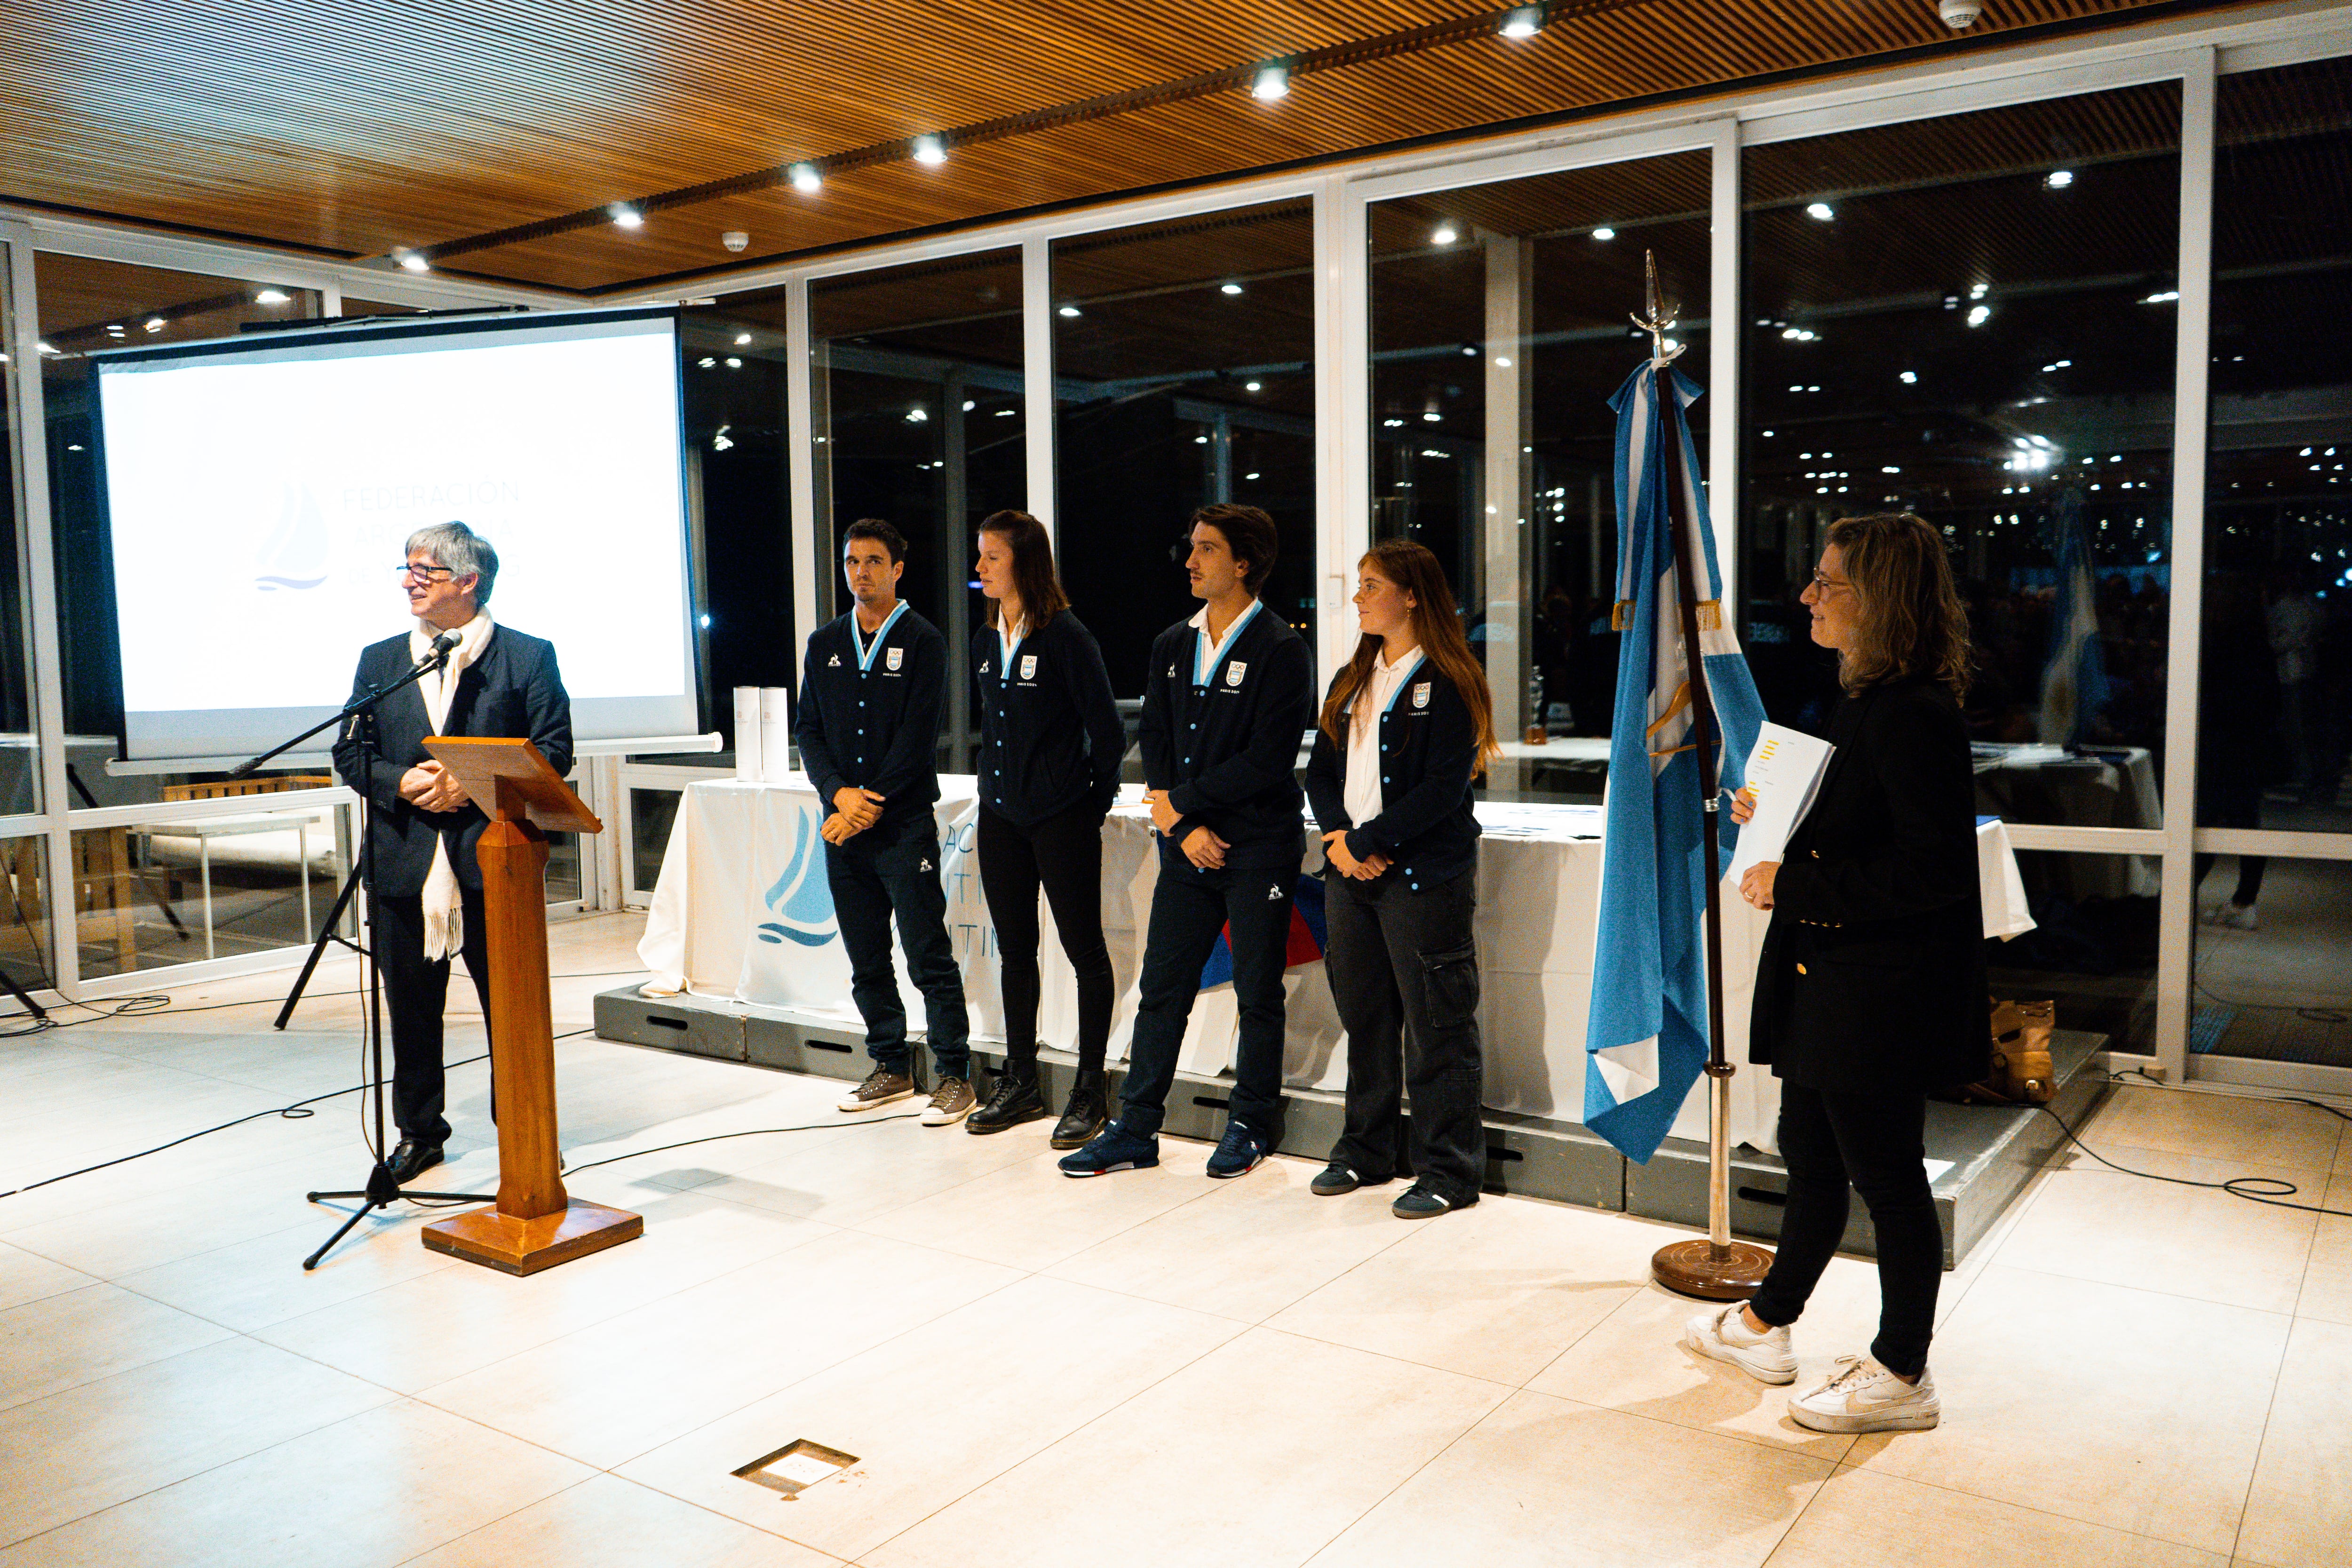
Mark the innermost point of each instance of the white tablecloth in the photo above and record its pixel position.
(741, 912)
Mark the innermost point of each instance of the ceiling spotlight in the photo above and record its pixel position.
(1980, 315)
(734, 363)
(1821, 211)
(742, 339)
(806, 179)
(917, 414)
(1980, 290)
(413, 261)
(706, 361)
(1523, 22)
(1443, 234)
(271, 297)
(1604, 233)
(2165, 297)
(625, 215)
(1068, 310)
(1909, 378)
(1252, 386)
(2058, 179)
(1273, 82)
(1433, 416)
(153, 323)
(1229, 289)
(930, 152)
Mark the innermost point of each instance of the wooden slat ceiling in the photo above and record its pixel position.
(368, 128)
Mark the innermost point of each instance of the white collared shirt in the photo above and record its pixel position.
(1364, 796)
(1207, 656)
(1008, 641)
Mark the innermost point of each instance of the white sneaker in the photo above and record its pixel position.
(1864, 1396)
(1726, 1336)
(2239, 916)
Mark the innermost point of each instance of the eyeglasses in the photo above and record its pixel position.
(415, 574)
(1827, 584)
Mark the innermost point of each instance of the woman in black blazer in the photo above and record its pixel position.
(1870, 991)
(1405, 728)
(1051, 742)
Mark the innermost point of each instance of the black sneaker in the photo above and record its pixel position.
(1014, 1101)
(1084, 1116)
(1338, 1178)
(1242, 1150)
(1421, 1201)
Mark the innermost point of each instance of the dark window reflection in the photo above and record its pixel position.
(2275, 700)
(919, 421)
(1500, 326)
(1183, 370)
(1972, 319)
(2271, 979)
(2092, 947)
(20, 776)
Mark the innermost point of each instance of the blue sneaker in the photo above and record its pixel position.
(1112, 1148)
(1241, 1151)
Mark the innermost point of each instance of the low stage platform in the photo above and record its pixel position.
(1982, 1156)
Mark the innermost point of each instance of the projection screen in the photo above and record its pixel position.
(259, 492)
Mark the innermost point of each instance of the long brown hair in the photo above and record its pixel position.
(1033, 581)
(1437, 631)
(1909, 618)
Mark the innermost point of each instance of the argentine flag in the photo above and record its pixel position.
(1647, 1032)
(2074, 677)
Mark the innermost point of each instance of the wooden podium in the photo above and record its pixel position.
(534, 1225)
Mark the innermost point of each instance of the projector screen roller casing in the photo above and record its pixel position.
(259, 495)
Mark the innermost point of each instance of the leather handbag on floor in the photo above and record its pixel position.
(2021, 1070)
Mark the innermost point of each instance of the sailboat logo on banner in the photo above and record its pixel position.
(295, 554)
(800, 900)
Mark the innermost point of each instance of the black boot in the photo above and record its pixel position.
(1084, 1116)
(1014, 1100)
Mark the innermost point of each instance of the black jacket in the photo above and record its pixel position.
(1050, 733)
(1429, 746)
(1872, 973)
(1227, 752)
(877, 728)
(513, 689)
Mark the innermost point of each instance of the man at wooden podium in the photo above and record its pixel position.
(425, 903)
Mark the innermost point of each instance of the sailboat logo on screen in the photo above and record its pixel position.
(295, 554)
(801, 900)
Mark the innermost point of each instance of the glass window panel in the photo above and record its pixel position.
(738, 488)
(2275, 705)
(2271, 978)
(20, 772)
(86, 307)
(1971, 318)
(1500, 324)
(921, 421)
(1184, 375)
(24, 924)
(150, 895)
(2092, 948)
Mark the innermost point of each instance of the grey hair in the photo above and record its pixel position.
(464, 552)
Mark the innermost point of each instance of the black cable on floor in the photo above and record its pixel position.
(2236, 1186)
(161, 1002)
(718, 1137)
(294, 1112)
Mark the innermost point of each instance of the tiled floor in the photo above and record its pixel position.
(1153, 1368)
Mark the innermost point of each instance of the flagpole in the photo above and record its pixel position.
(1719, 1268)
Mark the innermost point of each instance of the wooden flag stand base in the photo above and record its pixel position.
(535, 1225)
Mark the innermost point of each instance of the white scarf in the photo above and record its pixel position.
(444, 906)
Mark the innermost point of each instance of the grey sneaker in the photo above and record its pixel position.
(1864, 1396)
(881, 1087)
(1722, 1334)
(951, 1101)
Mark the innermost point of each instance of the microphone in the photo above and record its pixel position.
(439, 654)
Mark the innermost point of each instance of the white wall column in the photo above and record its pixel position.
(1343, 415)
(800, 436)
(1510, 399)
(1037, 378)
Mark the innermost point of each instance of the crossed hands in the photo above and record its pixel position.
(1201, 846)
(429, 786)
(1756, 882)
(854, 811)
(1335, 849)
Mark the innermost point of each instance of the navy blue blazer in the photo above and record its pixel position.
(512, 691)
(1050, 733)
(1428, 754)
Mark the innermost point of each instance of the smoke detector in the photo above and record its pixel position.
(737, 240)
(1959, 15)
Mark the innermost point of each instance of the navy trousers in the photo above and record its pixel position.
(1189, 908)
(870, 884)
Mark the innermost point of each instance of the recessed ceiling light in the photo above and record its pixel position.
(734, 363)
(1909, 378)
(1252, 386)
(627, 216)
(1273, 82)
(1523, 22)
(271, 297)
(742, 339)
(928, 151)
(1980, 315)
(806, 179)
(1821, 211)
(1229, 289)
(1068, 310)
(1443, 234)
(1604, 233)
(2059, 179)
(413, 261)
(153, 323)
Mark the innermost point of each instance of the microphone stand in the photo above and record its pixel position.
(382, 1191)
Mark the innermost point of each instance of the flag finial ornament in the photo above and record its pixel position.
(1661, 319)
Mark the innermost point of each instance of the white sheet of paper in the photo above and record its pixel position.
(1784, 770)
